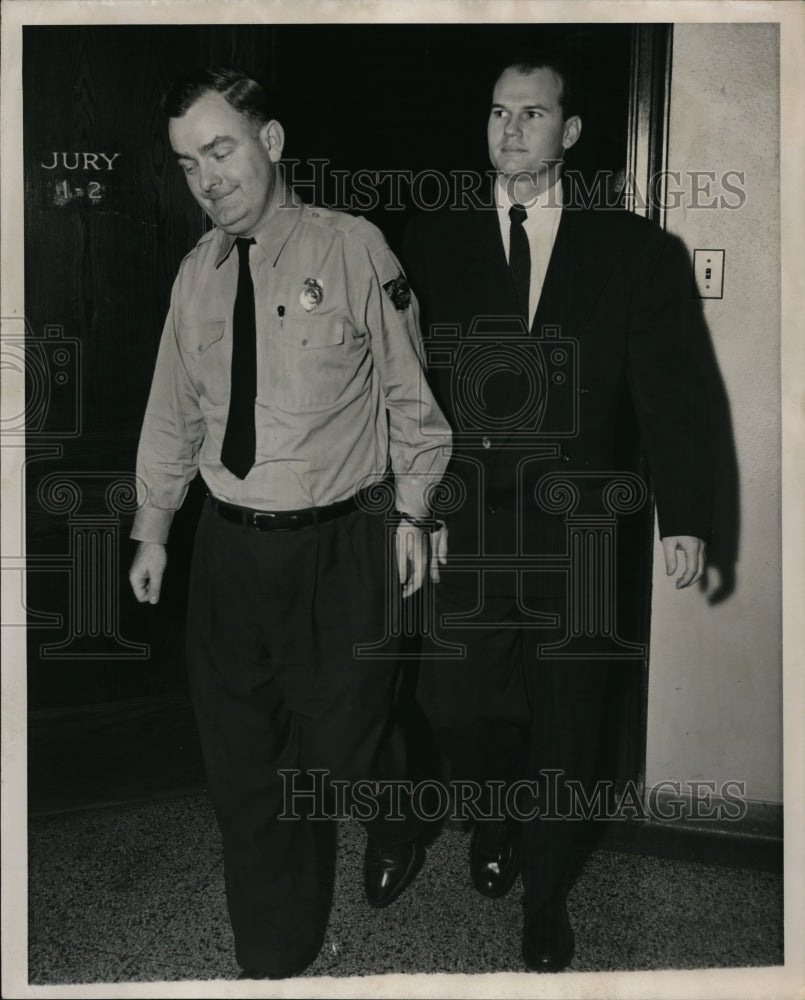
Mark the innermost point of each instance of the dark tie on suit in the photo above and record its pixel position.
(519, 256)
(237, 453)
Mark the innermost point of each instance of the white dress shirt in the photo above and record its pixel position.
(541, 225)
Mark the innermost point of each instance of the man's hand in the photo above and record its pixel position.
(438, 551)
(146, 571)
(411, 545)
(693, 550)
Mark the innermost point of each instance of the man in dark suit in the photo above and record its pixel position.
(539, 315)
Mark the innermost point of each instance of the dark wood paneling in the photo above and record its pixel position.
(101, 269)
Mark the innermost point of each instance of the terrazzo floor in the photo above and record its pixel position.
(125, 885)
(134, 893)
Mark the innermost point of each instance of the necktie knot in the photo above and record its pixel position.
(243, 243)
(517, 214)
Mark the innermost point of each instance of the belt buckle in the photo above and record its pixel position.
(261, 520)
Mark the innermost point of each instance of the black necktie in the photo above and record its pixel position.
(237, 453)
(519, 256)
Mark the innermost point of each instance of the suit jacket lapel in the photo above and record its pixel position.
(578, 271)
(551, 301)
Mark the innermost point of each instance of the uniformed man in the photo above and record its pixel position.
(289, 374)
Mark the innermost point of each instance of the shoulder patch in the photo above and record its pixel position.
(399, 291)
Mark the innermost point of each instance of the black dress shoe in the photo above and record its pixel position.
(548, 940)
(494, 858)
(388, 871)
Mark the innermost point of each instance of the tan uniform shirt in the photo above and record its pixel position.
(340, 383)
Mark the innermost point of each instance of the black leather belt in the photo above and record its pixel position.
(286, 520)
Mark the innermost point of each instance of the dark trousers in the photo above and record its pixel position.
(504, 713)
(273, 622)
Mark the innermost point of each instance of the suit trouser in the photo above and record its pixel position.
(505, 713)
(273, 621)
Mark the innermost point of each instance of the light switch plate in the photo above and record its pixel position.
(708, 268)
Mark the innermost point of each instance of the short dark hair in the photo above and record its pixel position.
(240, 91)
(534, 59)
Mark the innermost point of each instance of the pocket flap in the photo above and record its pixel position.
(310, 334)
(199, 334)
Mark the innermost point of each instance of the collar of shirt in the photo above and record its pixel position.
(273, 234)
(543, 212)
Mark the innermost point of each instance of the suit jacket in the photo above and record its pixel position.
(616, 315)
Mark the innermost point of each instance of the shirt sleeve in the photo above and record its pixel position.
(420, 439)
(172, 433)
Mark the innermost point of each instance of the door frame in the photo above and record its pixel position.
(647, 165)
(649, 111)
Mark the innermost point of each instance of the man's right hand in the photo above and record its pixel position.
(146, 571)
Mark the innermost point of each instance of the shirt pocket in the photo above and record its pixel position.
(316, 363)
(198, 335)
(206, 356)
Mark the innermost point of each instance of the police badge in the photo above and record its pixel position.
(312, 294)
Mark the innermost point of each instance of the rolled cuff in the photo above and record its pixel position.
(152, 524)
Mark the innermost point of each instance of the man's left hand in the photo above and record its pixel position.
(415, 548)
(692, 549)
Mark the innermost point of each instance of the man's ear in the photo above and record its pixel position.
(572, 131)
(272, 136)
